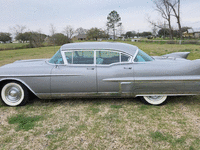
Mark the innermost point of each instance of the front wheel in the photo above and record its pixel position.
(14, 94)
(154, 100)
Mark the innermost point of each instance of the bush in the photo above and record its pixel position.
(58, 39)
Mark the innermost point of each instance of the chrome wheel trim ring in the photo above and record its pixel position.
(155, 100)
(12, 94)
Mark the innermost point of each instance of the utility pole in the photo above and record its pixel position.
(179, 20)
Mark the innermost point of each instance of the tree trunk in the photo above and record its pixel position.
(170, 30)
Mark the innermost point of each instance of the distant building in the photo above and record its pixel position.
(192, 33)
(81, 37)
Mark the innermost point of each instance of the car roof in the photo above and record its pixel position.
(127, 48)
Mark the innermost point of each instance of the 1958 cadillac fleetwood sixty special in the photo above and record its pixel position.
(100, 69)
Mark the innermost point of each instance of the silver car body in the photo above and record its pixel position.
(170, 74)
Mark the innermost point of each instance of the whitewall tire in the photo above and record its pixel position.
(154, 100)
(14, 94)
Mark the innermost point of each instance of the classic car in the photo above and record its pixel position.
(93, 69)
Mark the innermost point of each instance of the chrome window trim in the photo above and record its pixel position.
(137, 51)
(95, 50)
(117, 63)
(47, 61)
(65, 60)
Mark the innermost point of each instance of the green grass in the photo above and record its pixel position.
(10, 56)
(9, 46)
(24, 122)
(116, 106)
(101, 123)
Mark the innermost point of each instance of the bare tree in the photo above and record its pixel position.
(154, 30)
(175, 6)
(81, 30)
(69, 31)
(52, 29)
(52, 32)
(163, 7)
(17, 29)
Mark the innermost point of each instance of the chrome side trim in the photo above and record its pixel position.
(154, 79)
(165, 94)
(126, 82)
(39, 75)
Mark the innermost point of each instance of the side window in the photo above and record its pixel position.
(107, 57)
(142, 57)
(68, 56)
(80, 57)
(57, 58)
(125, 58)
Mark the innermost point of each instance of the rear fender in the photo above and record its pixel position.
(178, 55)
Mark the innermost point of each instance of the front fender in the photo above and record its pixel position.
(3, 80)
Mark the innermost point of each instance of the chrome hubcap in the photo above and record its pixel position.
(155, 98)
(13, 94)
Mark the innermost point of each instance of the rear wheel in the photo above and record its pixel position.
(154, 100)
(14, 94)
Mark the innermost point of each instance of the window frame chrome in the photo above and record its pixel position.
(95, 50)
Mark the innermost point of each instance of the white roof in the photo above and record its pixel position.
(127, 48)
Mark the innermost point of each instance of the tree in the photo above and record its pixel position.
(69, 31)
(120, 31)
(4, 37)
(36, 39)
(154, 30)
(52, 29)
(23, 37)
(60, 39)
(130, 34)
(18, 29)
(164, 32)
(81, 30)
(175, 6)
(113, 21)
(145, 34)
(163, 7)
(52, 32)
(95, 33)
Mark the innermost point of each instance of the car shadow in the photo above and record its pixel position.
(78, 101)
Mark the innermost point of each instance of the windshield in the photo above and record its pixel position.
(57, 58)
(142, 57)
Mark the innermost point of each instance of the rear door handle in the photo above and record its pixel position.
(90, 68)
(127, 67)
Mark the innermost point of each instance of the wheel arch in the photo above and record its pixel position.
(7, 80)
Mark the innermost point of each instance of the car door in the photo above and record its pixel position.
(77, 75)
(112, 64)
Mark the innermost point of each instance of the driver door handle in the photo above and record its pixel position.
(127, 67)
(90, 68)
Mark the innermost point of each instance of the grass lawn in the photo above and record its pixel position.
(101, 123)
(12, 46)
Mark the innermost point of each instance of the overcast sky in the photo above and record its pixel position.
(39, 14)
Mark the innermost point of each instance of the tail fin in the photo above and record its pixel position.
(178, 55)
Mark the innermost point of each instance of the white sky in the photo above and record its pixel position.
(39, 14)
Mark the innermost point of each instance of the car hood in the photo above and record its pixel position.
(25, 63)
(26, 67)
